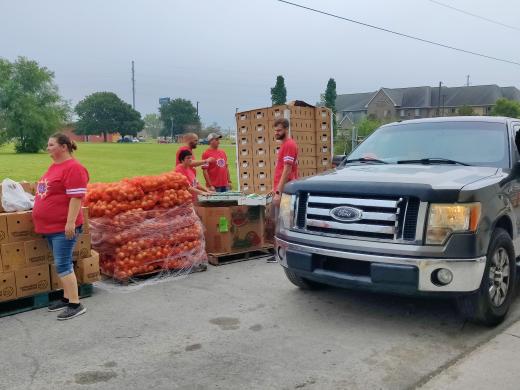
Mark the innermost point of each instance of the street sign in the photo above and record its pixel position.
(164, 100)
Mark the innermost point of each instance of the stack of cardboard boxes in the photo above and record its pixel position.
(26, 262)
(257, 147)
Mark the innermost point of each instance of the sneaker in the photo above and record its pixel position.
(71, 312)
(272, 259)
(59, 305)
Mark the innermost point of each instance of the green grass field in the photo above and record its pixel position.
(107, 162)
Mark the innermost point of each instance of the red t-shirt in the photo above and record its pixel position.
(57, 186)
(178, 162)
(217, 171)
(288, 154)
(190, 175)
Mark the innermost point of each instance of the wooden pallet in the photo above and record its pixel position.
(235, 257)
(39, 301)
(146, 275)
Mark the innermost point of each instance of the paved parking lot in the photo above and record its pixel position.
(239, 326)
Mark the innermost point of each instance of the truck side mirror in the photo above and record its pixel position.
(337, 159)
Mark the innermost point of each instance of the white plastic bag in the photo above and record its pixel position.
(14, 198)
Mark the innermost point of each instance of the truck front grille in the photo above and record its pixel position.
(382, 218)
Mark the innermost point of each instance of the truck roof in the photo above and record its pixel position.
(494, 119)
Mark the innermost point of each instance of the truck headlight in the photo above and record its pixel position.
(286, 212)
(445, 219)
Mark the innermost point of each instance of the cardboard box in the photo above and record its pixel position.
(54, 278)
(323, 149)
(244, 141)
(263, 187)
(262, 176)
(37, 252)
(302, 112)
(324, 162)
(243, 117)
(305, 162)
(274, 153)
(302, 125)
(323, 127)
(260, 114)
(33, 280)
(304, 137)
(323, 136)
(13, 256)
(20, 227)
(261, 152)
(322, 114)
(247, 187)
(260, 128)
(245, 152)
(87, 269)
(244, 128)
(82, 247)
(323, 169)
(245, 163)
(234, 228)
(306, 150)
(3, 229)
(276, 112)
(261, 140)
(261, 163)
(246, 174)
(7, 286)
(307, 172)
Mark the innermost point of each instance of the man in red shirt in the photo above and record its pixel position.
(191, 140)
(216, 173)
(286, 168)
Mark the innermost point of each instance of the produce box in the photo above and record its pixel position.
(232, 228)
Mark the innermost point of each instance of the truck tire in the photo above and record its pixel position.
(490, 303)
(304, 284)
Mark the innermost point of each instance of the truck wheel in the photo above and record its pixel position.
(490, 303)
(304, 284)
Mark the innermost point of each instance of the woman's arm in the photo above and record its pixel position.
(74, 209)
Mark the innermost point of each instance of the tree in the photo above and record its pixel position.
(179, 116)
(367, 125)
(330, 95)
(31, 108)
(105, 113)
(152, 125)
(466, 111)
(506, 107)
(279, 92)
(213, 127)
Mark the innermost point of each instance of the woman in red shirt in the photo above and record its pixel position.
(57, 215)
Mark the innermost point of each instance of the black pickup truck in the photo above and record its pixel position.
(421, 207)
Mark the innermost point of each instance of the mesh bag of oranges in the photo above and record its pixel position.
(145, 226)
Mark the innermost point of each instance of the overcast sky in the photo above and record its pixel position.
(227, 53)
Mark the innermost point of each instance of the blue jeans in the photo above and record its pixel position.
(221, 189)
(62, 249)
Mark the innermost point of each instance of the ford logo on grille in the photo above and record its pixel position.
(346, 214)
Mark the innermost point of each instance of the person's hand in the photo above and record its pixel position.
(276, 199)
(70, 230)
(211, 188)
(210, 160)
(230, 186)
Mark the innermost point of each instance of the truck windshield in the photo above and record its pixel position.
(472, 143)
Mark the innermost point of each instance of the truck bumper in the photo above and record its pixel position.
(408, 275)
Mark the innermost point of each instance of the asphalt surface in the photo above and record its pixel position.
(238, 326)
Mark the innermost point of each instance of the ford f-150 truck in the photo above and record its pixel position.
(421, 207)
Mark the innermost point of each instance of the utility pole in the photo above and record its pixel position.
(443, 101)
(197, 108)
(133, 86)
(467, 80)
(172, 129)
(439, 100)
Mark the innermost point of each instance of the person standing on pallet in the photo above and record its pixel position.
(192, 141)
(216, 173)
(286, 168)
(57, 215)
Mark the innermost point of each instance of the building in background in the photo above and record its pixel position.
(419, 102)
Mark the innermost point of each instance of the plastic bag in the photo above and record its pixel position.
(14, 198)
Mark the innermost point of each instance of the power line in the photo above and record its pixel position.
(401, 34)
(474, 15)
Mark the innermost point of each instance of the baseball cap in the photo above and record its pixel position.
(213, 136)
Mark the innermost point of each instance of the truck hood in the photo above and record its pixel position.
(424, 181)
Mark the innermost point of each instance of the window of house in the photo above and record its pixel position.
(453, 110)
(417, 112)
(386, 113)
(401, 113)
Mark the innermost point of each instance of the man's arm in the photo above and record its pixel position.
(208, 180)
(283, 180)
(209, 160)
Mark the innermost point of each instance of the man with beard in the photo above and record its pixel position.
(192, 140)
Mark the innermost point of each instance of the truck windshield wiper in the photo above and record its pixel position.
(432, 160)
(364, 159)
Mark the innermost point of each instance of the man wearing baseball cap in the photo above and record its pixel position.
(216, 171)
